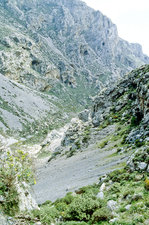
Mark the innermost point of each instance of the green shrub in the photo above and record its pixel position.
(78, 144)
(82, 208)
(102, 144)
(124, 139)
(90, 190)
(10, 205)
(147, 184)
(46, 214)
(73, 223)
(102, 214)
(67, 199)
(71, 153)
(138, 143)
(134, 122)
(16, 167)
(86, 135)
(122, 209)
(61, 206)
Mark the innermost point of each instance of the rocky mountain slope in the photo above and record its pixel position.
(63, 49)
(126, 104)
(23, 109)
(56, 59)
(114, 135)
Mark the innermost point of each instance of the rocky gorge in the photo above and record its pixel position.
(62, 53)
(74, 117)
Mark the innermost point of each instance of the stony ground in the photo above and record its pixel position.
(66, 174)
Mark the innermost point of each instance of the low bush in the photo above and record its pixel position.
(15, 168)
(47, 214)
(82, 208)
(102, 214)
(139, 143)
(102, 144)
(147, 184)
(134, 121)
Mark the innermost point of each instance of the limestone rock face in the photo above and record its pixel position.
(139, 160)
(79, 37)
(129, 96)
(128, 103)
(22, 187)
(26, 201)
(84, 115)
(62, 48)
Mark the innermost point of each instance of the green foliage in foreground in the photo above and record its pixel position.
(83, 207)
(15, 168)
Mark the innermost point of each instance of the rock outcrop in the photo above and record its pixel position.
(16, 176)
(128, 103)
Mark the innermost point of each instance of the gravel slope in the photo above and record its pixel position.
(62, 175)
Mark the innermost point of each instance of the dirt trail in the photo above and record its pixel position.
(64, 175)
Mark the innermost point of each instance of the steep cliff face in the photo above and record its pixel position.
(63, 48)
(120, 116)
(127, 101)
(80, 33)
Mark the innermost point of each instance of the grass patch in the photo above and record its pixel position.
(102, 144)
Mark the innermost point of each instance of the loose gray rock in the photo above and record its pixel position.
(136, 197)
(100, 195)
(5, 220)
(127, 207)
(112, 205)
(113, 220)
(2, 199)
(142, 166)
(84, 115)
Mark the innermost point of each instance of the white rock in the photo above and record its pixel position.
(110, 182)
(103, 178)
(113, 220)
(100, 195)
(127, 207)
(74, 194)
(146, 222)
(102, 188)
(26, 201)
(142, 166)
(112, 205)
(67, 188)
(2, 199)
(84, 115)
(147, 139)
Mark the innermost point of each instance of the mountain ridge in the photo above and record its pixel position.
(63, 49)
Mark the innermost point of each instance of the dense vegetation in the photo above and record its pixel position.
(128, 190)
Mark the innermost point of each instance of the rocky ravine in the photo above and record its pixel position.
(63, 49)
(54, 58)
(97, 144)
(67, 174)
(121, 116)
